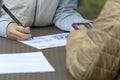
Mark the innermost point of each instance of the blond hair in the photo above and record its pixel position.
(96, 56)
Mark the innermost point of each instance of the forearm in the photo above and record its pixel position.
(66, 14)
(3, 27)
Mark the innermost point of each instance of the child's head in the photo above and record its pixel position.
(95, 54)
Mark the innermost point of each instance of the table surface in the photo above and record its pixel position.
(56, 57)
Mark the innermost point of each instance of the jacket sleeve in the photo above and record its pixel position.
(3, 24)
(3, 27)
(66, 14)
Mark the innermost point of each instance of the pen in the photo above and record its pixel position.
(12, 16)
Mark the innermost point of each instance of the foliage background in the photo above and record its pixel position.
(90, 9)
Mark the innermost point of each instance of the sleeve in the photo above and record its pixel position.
(66, 14)
(3, 27)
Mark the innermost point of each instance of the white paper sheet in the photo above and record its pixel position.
(48, 41)
(24, 63)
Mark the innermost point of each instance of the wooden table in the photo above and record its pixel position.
(56, 57)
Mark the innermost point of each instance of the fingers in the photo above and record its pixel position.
(82, 27)
(19, 36)
(18, 32)
(75, 35)
(25, 30)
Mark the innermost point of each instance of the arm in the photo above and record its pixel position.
(3, 24)
(66, 14)
(13, 31)
(3, 27)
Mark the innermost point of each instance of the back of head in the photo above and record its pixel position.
(94, 56)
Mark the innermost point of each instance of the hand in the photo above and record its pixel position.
(16, 32)
(76, 34)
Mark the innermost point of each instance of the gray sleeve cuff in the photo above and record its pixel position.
(66, 15)
(3, 27)
(66, 23)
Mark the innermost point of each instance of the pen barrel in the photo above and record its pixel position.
(11, 15)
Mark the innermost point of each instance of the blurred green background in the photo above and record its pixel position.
(90, 9)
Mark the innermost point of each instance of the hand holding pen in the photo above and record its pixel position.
(18, 32)
(15, 29)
